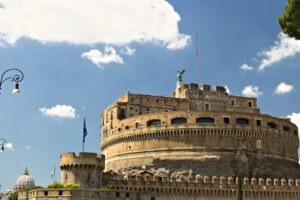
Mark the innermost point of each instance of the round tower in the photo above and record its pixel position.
(85, 169)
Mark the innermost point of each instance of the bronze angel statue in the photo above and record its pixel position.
(179, 75)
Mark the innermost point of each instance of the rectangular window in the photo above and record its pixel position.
(112, 115)
(118, 194)
(258, 122)
(226, 120)
(46, 193)
(127, 195)
(130, 108)
(132, 99)
(137, 124)
(166, 110)
(232, 102)
(157, 101)
(250, 104)
(206, 106)
(147, 109)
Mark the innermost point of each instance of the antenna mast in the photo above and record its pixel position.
(197, 59)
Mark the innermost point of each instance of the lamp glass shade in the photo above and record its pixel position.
(16, 90)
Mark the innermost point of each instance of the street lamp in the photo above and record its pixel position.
(2, 144)
(16, 78)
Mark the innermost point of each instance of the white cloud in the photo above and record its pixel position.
(246, 67)
(251, 91)
(28, 147)
(283, 88)
(227, 89)
(295, 118)
(62, 111)
(127, 50)
(97, 57)
(115, 22)
(285, 47)
(9, 146)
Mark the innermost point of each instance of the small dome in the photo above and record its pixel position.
(25, 180)
(8, 191)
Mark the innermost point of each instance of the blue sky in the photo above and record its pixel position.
(79, 57)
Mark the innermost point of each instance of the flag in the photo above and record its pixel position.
(84, 130)
(53, 172)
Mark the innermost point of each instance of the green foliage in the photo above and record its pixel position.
(71, 185)
(239, 192)
(106, 187)
(290, 19)
(56, 185)
(13, 196)
(33, 188)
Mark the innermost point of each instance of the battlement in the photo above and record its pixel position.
(83, 159)
(210, 187)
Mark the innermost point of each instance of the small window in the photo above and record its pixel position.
(258, 122)
(250, 104)
(119, 129)
(206, 106)
(232, 102)
(156, 122)
(112, 115)
(165, 101)
(242, 121)
(117, 194)
(147, 109)
(126, 127)
(127, 195)
(179, 121)
(132, 99)
(137, 124)
(157, 101)
(286, 128)
(166, 110)
(46, 193)
(152, 198)
(271, 125)
(148, 99)
(205, 120)
(60, 193)
(129, 147)
(130, 108)
(226, 120)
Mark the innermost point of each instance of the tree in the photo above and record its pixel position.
(290, 19)
(13, 196)
(239, 192)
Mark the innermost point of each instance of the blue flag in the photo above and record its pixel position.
(84, 130)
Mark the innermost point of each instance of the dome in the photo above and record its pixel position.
(24, 181)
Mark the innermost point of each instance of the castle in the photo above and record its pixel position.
(189, 146)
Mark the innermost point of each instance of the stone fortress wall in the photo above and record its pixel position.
(148, 186)
(84, 169)
(222, 135)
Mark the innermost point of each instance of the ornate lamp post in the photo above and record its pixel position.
(18, 77)
(2, 144)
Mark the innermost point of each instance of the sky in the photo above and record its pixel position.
(78, 57)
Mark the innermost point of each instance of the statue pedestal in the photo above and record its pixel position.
(179, 84)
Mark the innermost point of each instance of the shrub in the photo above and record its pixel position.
(71, 185)
(56, 185)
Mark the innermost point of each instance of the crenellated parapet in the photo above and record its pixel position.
(210, 186)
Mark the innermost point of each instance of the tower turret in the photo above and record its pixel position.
(85, 170)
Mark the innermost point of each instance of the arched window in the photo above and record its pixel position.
(286, 128)
(155, 122)
(242, 121)
(179, 121)
(126, 127)
(271, 125)
(205, 120)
